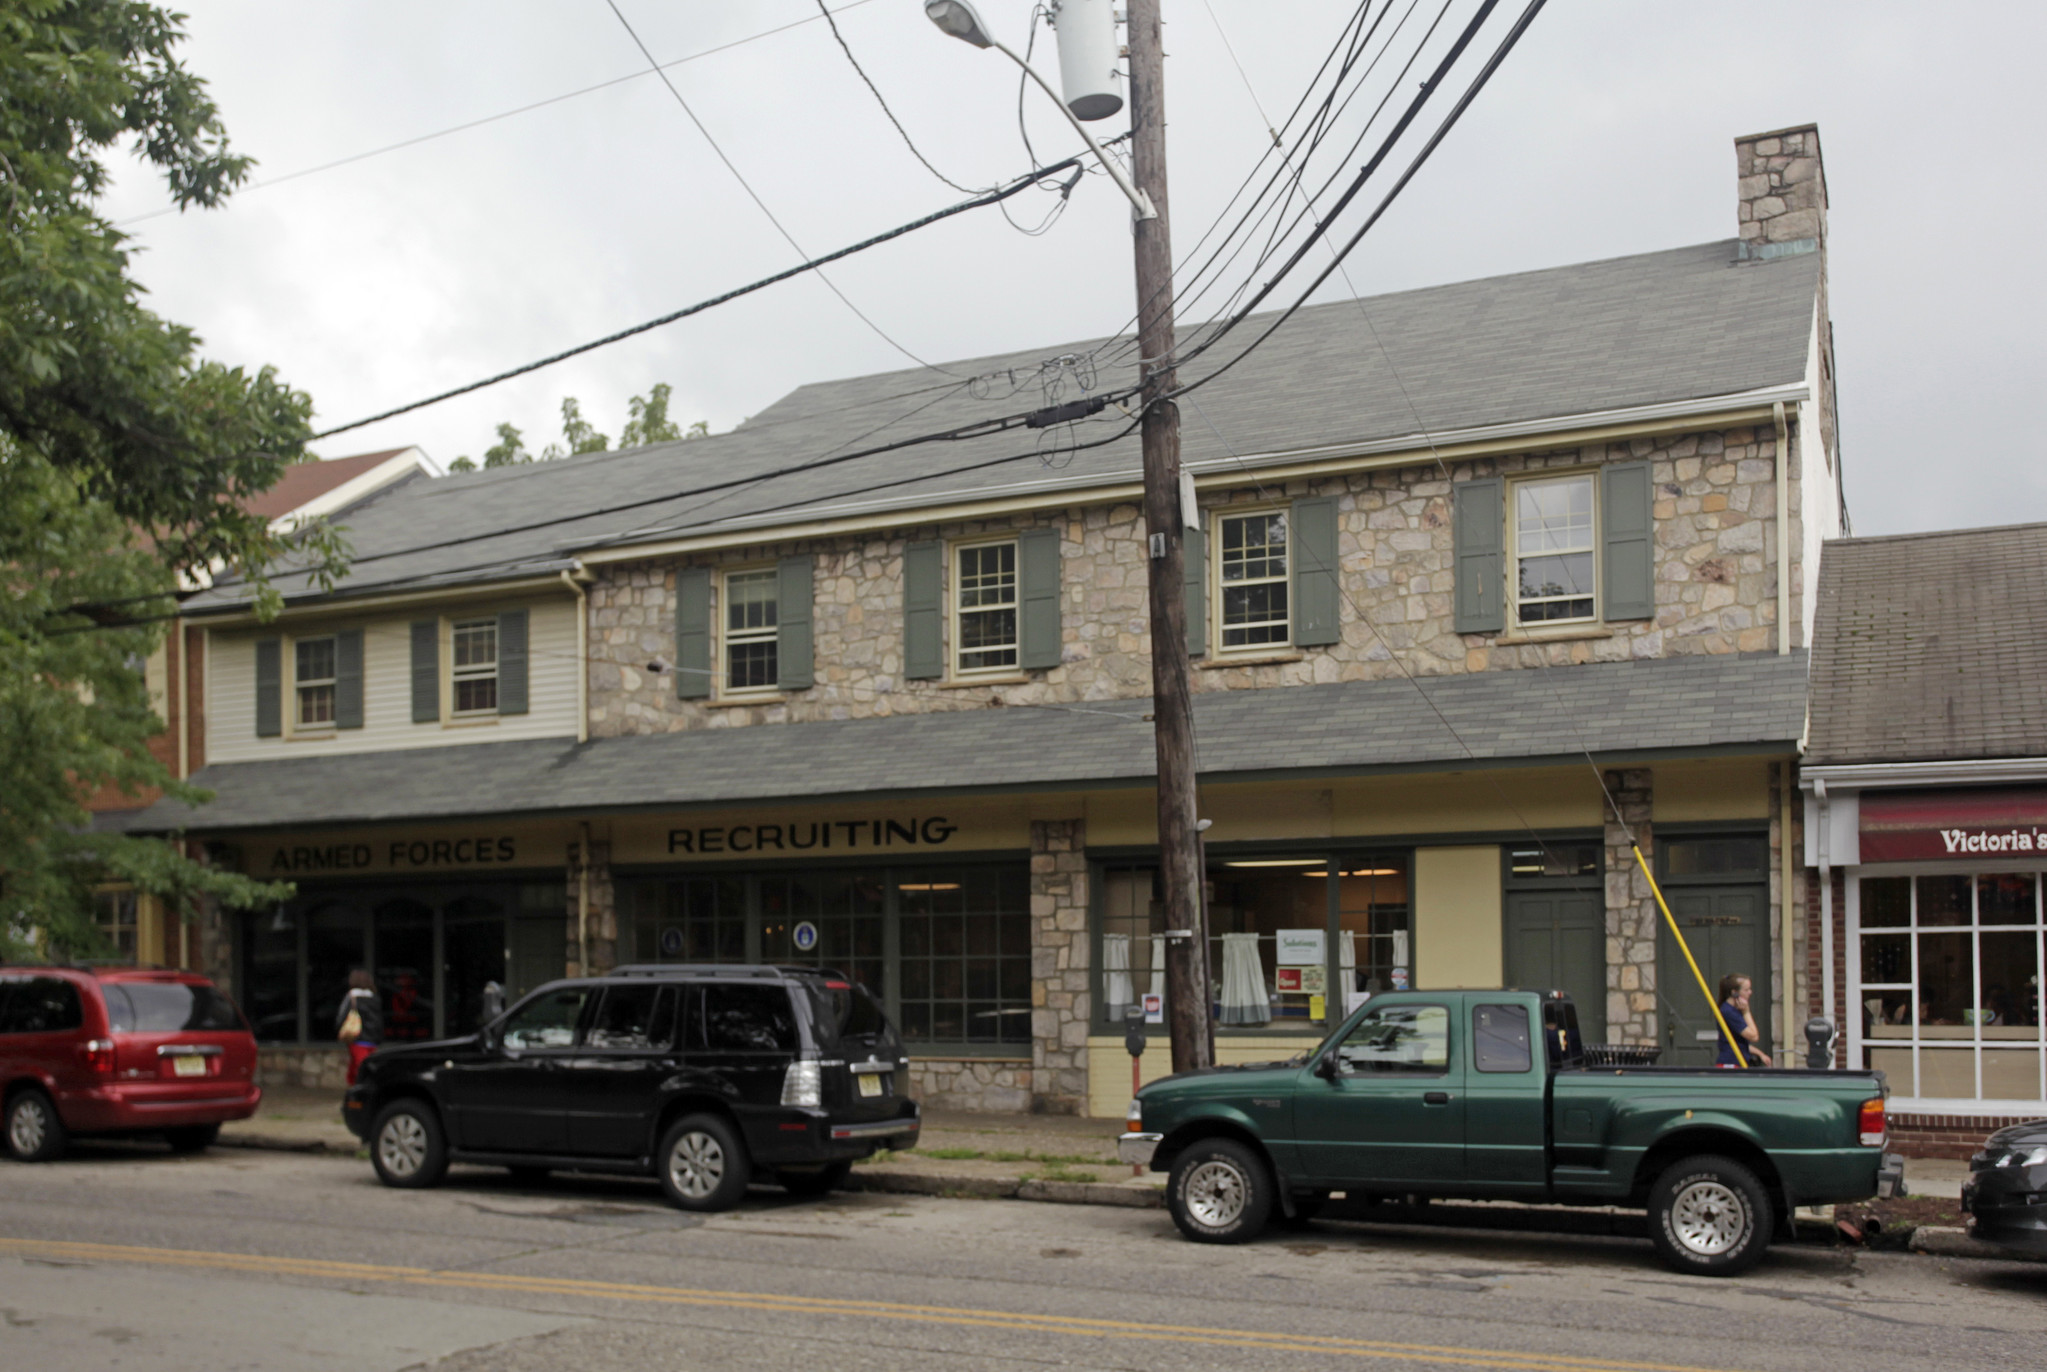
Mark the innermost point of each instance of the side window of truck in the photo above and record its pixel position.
(1499, 1038)
(1399, 1038)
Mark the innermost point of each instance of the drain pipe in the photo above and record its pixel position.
(1819, 790)
(1787, 996)
(1783, 531)
(569, 579)
(583, 904)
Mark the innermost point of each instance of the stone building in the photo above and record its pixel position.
(863, 682)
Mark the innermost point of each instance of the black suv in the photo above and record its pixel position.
(706, 1076)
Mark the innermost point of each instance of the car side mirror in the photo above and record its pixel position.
(1328, 1067)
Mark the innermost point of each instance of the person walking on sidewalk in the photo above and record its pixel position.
(1735, 992)
(359, 1022)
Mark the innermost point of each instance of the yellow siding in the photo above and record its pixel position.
(1108, 1065)
(1714, 788)
(1457, 917)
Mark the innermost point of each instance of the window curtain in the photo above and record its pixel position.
(1116, 975)
(1347, 971)
(1245, 999)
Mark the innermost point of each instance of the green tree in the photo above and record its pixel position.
(647, 422)
(647, 419)
(579, 435)
(125, 458)
(508, 451)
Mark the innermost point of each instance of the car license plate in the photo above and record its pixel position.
(188, 1065)
(870, 1083)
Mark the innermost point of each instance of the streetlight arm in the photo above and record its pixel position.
(1139, 201)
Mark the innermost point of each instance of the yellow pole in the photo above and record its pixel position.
(1740, 1053)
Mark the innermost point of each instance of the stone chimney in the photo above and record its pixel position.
(1783, 193)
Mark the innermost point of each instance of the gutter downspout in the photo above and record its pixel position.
(1783, 530)
(582, 653)
(1787, 998)
(1819, 789)
(583, 904)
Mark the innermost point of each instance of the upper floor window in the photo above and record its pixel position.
(313, 679)
(1252, 579)
(984, 607)
(475, 666)
(751, 631)
(1555, 550)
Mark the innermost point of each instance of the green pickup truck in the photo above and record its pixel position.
(1487, 1095)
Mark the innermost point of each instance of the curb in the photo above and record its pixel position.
(1943, 1241)
(277, 1143)
(1007, 1188)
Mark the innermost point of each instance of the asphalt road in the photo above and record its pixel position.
(125, 1258)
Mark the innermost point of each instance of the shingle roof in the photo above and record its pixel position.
(1752, 700)
(1929, 647)
(304, 481)
(1684, 324)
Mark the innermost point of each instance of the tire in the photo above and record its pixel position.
(1220, 1191)
(703, 1163)
(814, 1181)
(34, 1132)
(192, 1138)
(1709, 1216)
(407, 1145)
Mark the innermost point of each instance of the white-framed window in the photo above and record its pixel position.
(752, 665)
(1556, 551)
(312, 663)
(115, 913)
(984, 605)
(1252, 581)
(473, 661)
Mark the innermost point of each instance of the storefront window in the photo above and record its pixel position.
(1950, 984)
(1294, 941)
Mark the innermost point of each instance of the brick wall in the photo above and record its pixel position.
(1942, 1136)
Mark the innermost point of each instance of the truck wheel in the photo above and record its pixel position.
(34, 1133)
(703, 1163)
(1709, 1216)
(1220, 1191)
(407, 1146)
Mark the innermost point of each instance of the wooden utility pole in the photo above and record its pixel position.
(1187, 978)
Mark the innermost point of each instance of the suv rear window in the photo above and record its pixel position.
(845, 1011)
(167, 1007)
(39, 1005)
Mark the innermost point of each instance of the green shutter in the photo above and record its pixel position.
(693, 633)
(1628, 531)
(426, 671)
(1037, 556)
(1311, 541)
(923, 605)
(1477, 531)
(269, 688)
(512, 658)
(794, 668)
(1194, 564)
(348, 679)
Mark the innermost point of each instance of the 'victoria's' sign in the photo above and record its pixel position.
(802, 836)
(1916, 826)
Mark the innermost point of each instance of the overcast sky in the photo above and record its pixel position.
(1610, 131)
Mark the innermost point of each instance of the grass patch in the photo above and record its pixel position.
(1066, 1174)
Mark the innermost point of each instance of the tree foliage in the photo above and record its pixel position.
(125, 458)
(646, 422)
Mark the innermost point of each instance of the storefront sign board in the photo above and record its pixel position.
(899, 830)
(1300, 947)
(1922, 826)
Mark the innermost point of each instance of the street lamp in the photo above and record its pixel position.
(958, 19)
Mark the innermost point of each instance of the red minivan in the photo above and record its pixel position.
(119, 1050)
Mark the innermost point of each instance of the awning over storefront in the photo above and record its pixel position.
(1921, 826)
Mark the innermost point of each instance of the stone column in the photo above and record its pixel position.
(1061, 999)
(602, 932)
(1631, 915)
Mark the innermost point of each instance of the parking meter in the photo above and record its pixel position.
(1133, 1031)
(1819, 1042)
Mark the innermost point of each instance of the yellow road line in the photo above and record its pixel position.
(1069, 1325)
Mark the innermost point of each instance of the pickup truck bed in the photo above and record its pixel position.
(1477, 1094)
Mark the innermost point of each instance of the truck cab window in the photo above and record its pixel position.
(1499, 1038)
(1398, 1038)
(547, 1021)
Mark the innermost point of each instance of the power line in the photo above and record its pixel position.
(418, 139)
(754, 195)
(990, 198)
(862, 71)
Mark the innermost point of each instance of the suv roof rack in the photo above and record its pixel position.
(722, 969)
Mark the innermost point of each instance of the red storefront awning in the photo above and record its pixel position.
(1918, 826)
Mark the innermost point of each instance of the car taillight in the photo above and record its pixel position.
(1133, 1122)
(1870, 1123)
(98, 1055)
(803, 1084)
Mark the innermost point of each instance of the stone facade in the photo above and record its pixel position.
(1715, 593)
(1631, 913)
(1062, 997)
(602, 929)
(1780, 186)
(972, 1083)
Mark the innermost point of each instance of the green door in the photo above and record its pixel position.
(1391, 1116)
(1728, 931)
(1556, 941)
